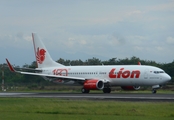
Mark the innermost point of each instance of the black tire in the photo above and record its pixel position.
(109, 90)
(154, 91)
(106, 90)
(85, 90)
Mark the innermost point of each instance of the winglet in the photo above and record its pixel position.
(10, 66)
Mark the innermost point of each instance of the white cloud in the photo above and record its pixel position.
(137, 39)
(159, 48)
(18, 40)
(138, 48)
(135, 12)
(168, 6)
(170, 40)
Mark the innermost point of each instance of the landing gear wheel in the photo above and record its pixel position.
(154, 91)
(84, 90)
(106, 90)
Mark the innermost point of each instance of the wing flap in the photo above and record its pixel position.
(53, 76)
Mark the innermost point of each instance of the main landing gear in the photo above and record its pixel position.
(106, 90)
(85, 90)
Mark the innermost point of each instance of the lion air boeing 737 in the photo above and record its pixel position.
(95, 77)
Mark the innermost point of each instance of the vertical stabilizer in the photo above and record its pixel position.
(42, 55)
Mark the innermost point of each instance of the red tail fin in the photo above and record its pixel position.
(42, 55)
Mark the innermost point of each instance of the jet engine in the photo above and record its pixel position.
(93, 84)
(130, 87)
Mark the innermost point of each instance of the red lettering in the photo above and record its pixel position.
(111, 74)
(120, 73)
(60, 72)
(124, 73)
(135, 74)
(54, 71)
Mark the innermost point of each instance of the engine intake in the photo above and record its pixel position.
(93, 84)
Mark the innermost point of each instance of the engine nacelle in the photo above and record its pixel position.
(130, 87)
(93, 84)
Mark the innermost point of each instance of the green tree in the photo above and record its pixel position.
(93, 61)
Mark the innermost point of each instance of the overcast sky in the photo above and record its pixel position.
(82, 29)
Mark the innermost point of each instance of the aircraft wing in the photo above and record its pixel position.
(43, 75)
(26, 69)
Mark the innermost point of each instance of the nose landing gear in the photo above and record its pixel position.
(154, 88)
(154, 91)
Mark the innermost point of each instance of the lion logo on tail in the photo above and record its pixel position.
(40, 55)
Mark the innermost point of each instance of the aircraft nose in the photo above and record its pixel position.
(168, 78)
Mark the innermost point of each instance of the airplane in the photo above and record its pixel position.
(99, 77)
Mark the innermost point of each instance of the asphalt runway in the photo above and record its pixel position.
(96, 96)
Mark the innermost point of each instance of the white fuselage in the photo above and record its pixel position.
(115, 75)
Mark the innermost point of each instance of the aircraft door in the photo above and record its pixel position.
(146, 74)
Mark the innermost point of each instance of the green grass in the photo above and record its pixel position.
(53, 108)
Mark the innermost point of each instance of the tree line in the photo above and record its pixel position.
(19, 79)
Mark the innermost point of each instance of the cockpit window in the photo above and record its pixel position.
(157, 72)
